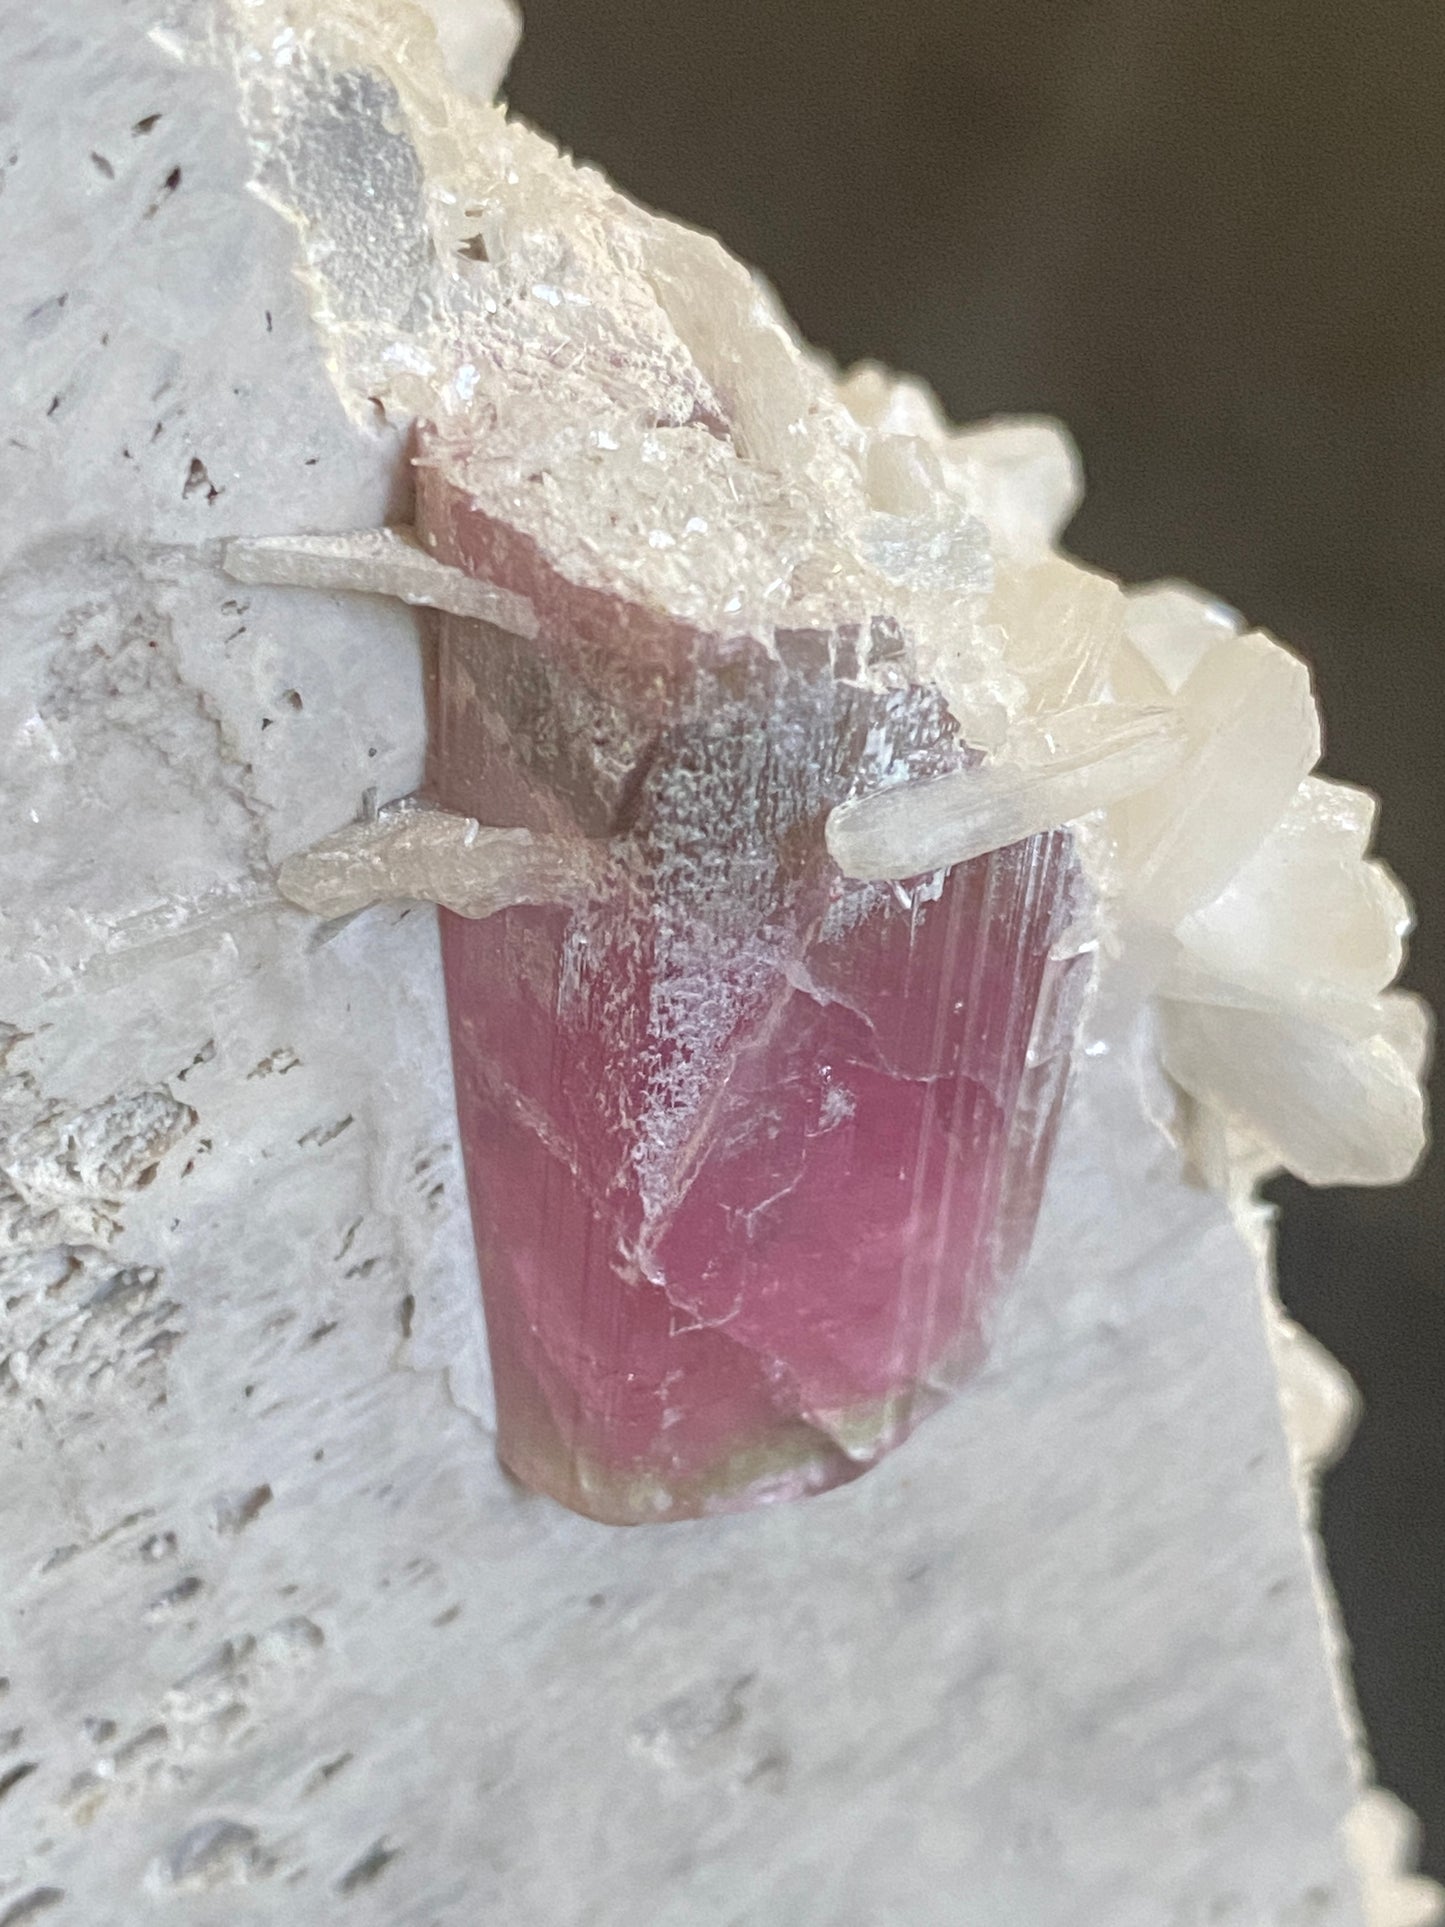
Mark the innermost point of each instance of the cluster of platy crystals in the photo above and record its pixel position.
(788, 791)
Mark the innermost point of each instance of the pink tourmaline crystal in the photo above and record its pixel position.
(750, 1147)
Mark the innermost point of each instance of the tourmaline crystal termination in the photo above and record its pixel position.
(787, 784)
(749, 1145)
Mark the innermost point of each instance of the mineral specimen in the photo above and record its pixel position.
(789, 785)
(1058, 1659)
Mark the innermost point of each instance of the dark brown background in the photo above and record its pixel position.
(1212, 239)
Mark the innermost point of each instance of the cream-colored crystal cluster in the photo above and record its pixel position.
(1237, 884)
(629, 396)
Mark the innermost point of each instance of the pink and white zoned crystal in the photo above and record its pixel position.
(751, 1147)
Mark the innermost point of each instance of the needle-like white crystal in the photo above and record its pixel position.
(1099, 757)
(388, 561)
(434, 856)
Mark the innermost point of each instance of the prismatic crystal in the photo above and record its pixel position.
(749, 1144)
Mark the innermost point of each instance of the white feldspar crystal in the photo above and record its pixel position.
(280, 1641)
(1274, 1008)
(1023, 473)
(1255, 736)
(1318, 1398)
(1173, 625)
(477, 40)
(1384, 1839)
(1338, 1102)
(1063, 629)
(1308, 919)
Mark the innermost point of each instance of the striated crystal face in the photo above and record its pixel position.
(750, 1146)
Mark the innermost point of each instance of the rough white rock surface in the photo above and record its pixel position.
(280, 1643)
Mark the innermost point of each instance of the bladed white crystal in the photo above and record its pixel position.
(1021, 473)
(1254, 733)
(1337, 1103)
(434, 856)
(477, 40)
(1174, 626)
(1309, 918)
(1093, 757)
(389, 561)
(1063, 634)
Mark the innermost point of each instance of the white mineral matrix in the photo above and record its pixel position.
(246, 1375)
